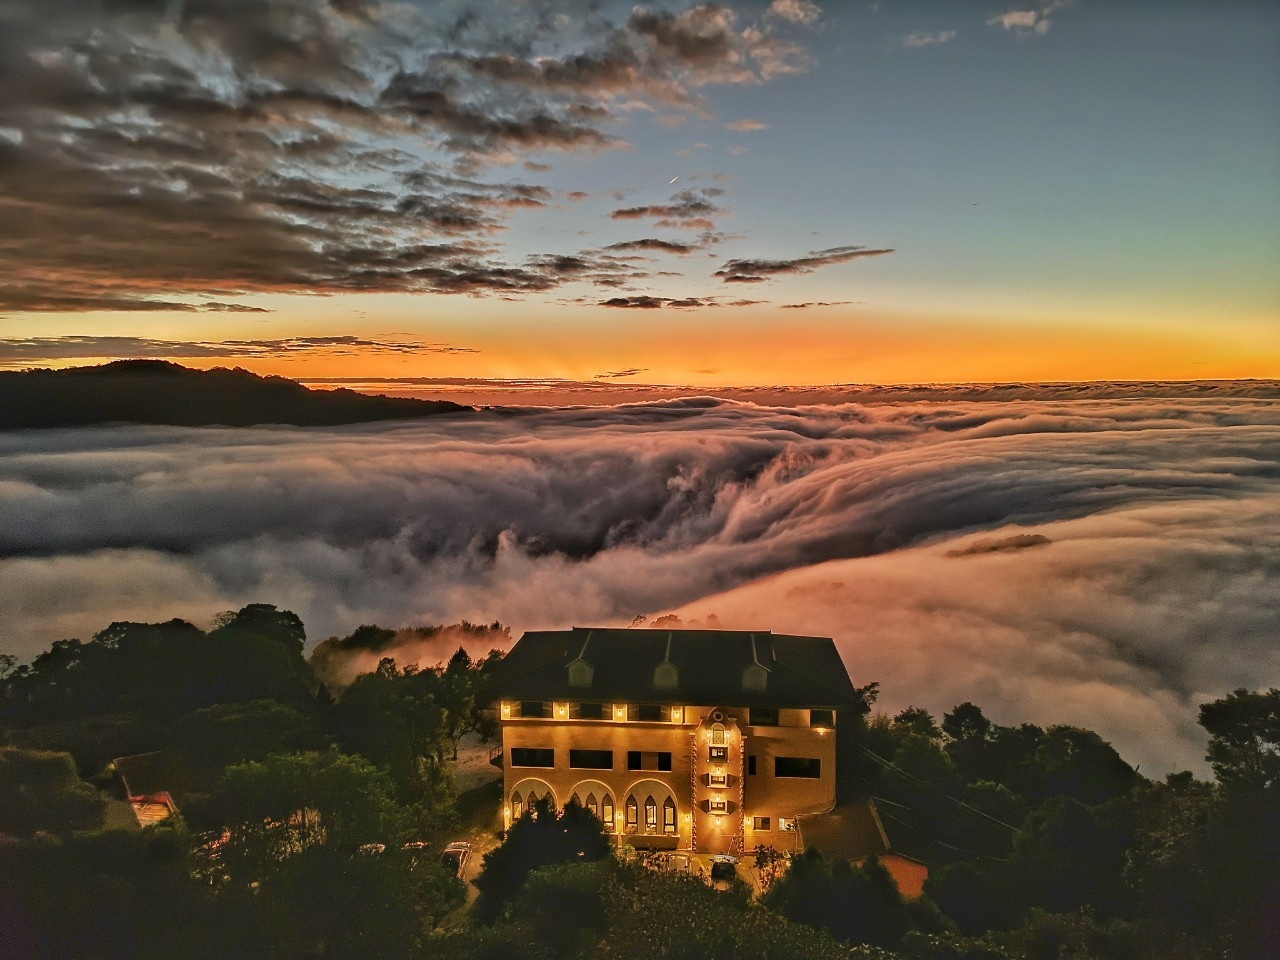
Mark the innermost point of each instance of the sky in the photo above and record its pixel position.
(785, 192)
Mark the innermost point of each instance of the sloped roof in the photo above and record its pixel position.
(710, 666)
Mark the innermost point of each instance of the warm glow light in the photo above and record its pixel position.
(506, 709)
(677, 715)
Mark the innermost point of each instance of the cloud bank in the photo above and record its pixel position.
(169, 156)
(1159, 585)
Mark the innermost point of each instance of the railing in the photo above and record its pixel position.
(495, 756)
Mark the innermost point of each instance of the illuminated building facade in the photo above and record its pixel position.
(705, 740)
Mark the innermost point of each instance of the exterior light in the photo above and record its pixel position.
(677, 714)
(560, 708)
(506, 709)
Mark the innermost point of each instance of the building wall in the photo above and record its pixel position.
(762, 795)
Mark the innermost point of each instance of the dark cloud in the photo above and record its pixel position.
(637, 302)
(619, 374)
(15, 350)
(662, 246)
(1019, 542)
(814, 303)
(756, 271)
(156, 154)
(690, 209)
(1160, 587)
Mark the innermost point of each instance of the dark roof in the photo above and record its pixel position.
(848, 832)
(709, 667)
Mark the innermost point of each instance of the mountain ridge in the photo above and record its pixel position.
(164, 393)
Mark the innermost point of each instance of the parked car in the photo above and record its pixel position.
(724, 870)
(455, 857)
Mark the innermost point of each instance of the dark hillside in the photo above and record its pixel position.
(159, 392)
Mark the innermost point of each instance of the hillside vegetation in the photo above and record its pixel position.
(159, 392)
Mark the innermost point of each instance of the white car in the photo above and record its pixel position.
(724, 870)
(455, 857)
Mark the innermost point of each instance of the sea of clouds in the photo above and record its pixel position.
(1106, 562)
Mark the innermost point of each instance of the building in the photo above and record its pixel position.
(713, 741)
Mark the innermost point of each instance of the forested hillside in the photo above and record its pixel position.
(311, 821)
(160, 392)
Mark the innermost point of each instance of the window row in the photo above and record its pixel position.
(648, 713)
(658, 818)
(590, 759)
(644, 712)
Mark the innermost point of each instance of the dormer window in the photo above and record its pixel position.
(755, 677)
(665, 676)
(580, 673)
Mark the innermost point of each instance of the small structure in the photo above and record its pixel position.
(141, 775)
(854, 832)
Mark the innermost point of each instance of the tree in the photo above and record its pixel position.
(540, 838)
(965, 722)
(1244, 744)
(858, 904)
(396, 719)
(40, 790)
(218, 736)
(278, 807)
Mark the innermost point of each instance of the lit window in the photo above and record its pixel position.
(650, 814)
(606, 813)
(719, 779)
(668, 816)
(633, 813)
(718, 736)
(517, 805)
(759, 823)
(592, 806)
(717, 754)
(719, 806)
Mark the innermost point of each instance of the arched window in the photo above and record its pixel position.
(592, 806)
(718, 737)
(633, 812)
(517, 805)
(650, 815)
(668, 816)
(575, 798)
(606, 813)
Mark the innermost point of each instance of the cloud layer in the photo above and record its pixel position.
(171, 155)
(1159, 585)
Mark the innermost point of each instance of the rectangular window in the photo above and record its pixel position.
(532, 757)
(534, 709)
(718, 806)
(717, 754)
(763, 716)
(591, 759)
(822, 718)
(717, 780)
(586, 711)
(759, 823)
(797, 767)
(638, 760)
(751, 766)
(648, 712)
